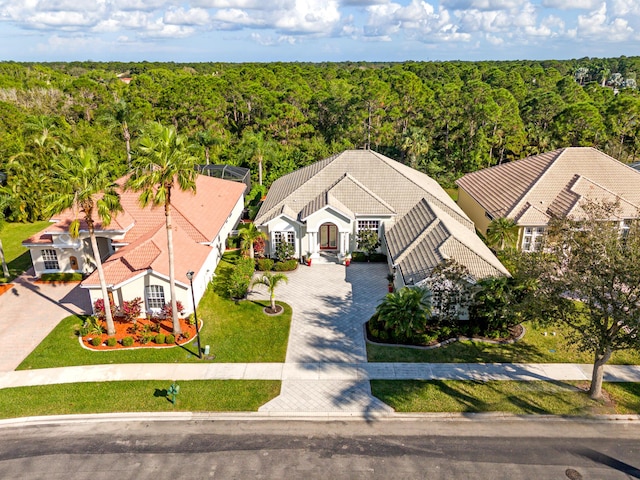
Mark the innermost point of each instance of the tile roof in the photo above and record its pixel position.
(427, 235)
(196, 218)
(429, 225)
(552, 183)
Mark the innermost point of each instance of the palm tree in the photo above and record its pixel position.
(405, 311)
(163, 161)
(502, 233)
(83, 183)
(248, 236)
(271, 281)
(123, 117)
(4, 203)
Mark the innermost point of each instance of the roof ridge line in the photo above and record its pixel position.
(533, 185)
(603, 188)
(369, 191)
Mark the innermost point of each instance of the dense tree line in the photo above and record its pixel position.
(443, 118)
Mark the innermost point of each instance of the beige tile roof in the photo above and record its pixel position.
(429, 225)
(552, 183)
(384, 186)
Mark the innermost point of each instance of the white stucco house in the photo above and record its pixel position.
(322, 207)
(133, 247)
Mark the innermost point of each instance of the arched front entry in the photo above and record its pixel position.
(328, 234)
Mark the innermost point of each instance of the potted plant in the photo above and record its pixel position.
(347, 259)
(308, 259)
(390, 278)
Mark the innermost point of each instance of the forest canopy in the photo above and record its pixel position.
(443, 118)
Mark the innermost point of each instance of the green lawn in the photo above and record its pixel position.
(537, 397)
(17, 257)
(139, 396)
(236, 332)
(535, 347)
(453, 193)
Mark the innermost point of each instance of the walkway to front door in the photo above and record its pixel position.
(330, 305)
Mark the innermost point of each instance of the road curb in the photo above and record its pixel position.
(306, 417)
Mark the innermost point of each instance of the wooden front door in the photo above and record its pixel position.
(328, 236)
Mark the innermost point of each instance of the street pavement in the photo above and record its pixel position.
(325, 371)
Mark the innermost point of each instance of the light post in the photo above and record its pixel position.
(195, 313)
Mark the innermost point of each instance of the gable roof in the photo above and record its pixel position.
(429, 228)
(426, 236)
(553, 183)
(364, 182)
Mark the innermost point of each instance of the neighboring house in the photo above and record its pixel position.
(533, 190)
(134, 246)
(323, 206)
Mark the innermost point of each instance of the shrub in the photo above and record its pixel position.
(185, 335)
(98, 308)
(240, 278)
(144, 339)
(264, 264)
(96, 341)
(131, 309)
(168, 311)
(61, 277)
(284, 251)
(169, 339)
(286, 266)
(127, 341)
(93, 326)
(112, 342)
(233, 242)
(160, 339)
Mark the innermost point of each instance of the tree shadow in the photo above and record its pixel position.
(604, 459)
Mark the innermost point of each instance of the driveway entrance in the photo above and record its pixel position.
(330, 305)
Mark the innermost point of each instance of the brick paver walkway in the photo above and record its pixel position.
(330, 305)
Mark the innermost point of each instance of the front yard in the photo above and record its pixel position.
(236, 332)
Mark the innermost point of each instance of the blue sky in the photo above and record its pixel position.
(316, 30)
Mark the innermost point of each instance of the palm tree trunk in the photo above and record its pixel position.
(127, 141)
(172, 274)
(111, 328)
(5, 268)
(273, 301)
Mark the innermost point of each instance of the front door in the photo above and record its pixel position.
(328, 236)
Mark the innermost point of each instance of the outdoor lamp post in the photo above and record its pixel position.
(195, 313)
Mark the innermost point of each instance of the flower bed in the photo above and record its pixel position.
(147, 333)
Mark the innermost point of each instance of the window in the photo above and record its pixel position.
(283, 237)
(155, 297)
(532, 239)
(368, 225)
(625, 226)
(50, 258)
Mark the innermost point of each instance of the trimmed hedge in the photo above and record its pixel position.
(61, 277)
(286, 266)
(264, 264)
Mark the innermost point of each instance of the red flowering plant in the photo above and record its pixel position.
(131, 309)
(259, 247)
(98, 309)
(168, 312)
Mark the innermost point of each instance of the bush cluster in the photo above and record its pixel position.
(286, 266)
(127, 341)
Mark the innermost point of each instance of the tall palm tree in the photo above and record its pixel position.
(163, 161)
(123, 117)
(502, 233)
(248, 236)
(271, 281)
(83, 183)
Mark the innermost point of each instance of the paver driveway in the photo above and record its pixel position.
(330, 304)
(28, 313)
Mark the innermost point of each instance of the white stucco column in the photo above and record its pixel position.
(312, 236)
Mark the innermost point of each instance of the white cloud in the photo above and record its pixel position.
(571, 4)
(192, 16)
(597, 25)
(483, 4)
(621, 8)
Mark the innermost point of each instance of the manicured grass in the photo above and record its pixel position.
(537, 397)
(235, 331)
(535, 347)
(140, 396)
(17, 257)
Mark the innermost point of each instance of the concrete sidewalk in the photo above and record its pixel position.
(317, 372)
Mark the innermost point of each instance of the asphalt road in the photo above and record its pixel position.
(237, 449)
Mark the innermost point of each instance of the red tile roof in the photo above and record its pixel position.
(196, 218)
